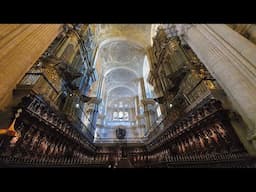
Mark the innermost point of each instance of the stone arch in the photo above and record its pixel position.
(120, 67)
(110, 40)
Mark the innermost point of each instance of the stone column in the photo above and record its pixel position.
(74, 41)
(146, 111)
(252, 33)
(94, 115)
(63, 47)
(137, 110)
(247, 30)
(241, 28)
(231, 59)
(20, 47)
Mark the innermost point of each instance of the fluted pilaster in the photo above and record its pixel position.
(20, 47)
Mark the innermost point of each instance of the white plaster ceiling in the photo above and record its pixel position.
(120, 59)
(126, 99)
(121, 46)
(120, 77)
(120, 92)
(121, 53)
(138, 33)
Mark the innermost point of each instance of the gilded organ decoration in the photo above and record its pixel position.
(198, 124)
(180, 75)
(67, 53)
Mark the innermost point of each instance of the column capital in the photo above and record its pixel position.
(170, 29)
(183, 28)
(241, 28)
(147, 101)
(251, 135)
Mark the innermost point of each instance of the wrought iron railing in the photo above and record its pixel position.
(55, 120)
(51, 162)
(200, 160)
(30, 79)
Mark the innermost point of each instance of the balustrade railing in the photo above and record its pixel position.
(204, 160)
(39, 109)
(192, 120)
(51, 162)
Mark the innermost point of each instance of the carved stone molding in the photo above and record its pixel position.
(148, 101)
(182, 29)
(241, 28)
(170, 29)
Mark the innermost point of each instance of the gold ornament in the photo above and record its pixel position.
(209, 84)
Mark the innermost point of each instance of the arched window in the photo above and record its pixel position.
(121, 115)
(120, 112)
(146, 70)
(115, 115)
(126, 116)
(158, 111)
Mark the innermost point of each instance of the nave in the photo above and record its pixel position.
(127, 96)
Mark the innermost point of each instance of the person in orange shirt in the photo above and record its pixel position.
(10, 131)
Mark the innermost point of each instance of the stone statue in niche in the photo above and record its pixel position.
(120, 133)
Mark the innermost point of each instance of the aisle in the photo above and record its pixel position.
(124, 163)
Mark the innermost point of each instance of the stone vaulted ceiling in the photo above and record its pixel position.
(121, 78)
(138, 33)
(122, 47)
(121, 53)
(119, 61)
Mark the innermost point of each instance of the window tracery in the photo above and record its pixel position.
(120, 112)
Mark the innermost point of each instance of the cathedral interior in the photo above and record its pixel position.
(128, 95)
